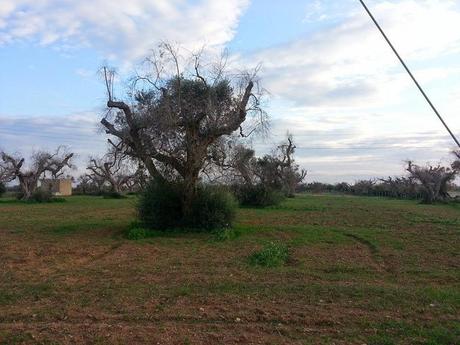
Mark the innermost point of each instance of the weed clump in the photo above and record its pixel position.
(226, 235)
(271, 255)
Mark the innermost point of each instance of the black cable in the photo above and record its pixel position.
(410, 73)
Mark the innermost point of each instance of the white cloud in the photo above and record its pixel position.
(350, 65)
(32, 133)
(124, 30)
(79, 132)
(85, 73)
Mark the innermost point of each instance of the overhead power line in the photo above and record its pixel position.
(410, 73)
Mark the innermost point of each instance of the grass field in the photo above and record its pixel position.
(358, 271)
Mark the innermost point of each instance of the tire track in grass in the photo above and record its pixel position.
(375, 254)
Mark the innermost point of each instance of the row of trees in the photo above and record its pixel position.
(112, 172)
(43, 163)
(117, 173)
(395, 187)
(429, 183)
(237, 166)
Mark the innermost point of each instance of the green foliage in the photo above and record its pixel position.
(137, 234)
(40, 196)
(76, 192)
(258, 195)
(445, 334)
(214, 208)
(113, 195)
(380, 340)
(226, 235)
(271, 255)
(161, 207)
(2, 189)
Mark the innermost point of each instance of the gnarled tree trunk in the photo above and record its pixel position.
(28, 184)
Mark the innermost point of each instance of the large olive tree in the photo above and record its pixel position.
(178, 110)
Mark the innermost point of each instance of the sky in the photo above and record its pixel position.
(331, 79)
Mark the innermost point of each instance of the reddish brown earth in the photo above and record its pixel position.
(360, 271)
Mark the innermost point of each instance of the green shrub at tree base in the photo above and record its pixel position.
(258, 195)
(2, 189)
(40, 196)
(113, 195)
(161, 207)
(214, 208)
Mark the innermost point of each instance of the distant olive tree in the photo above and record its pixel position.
(456, 163)
(363, 187)
(84, 185)
(114, 169)
(434, 180)
(291, 173)
(277, 170)
(13, 167)
(342, 187)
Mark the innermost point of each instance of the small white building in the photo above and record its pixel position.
(58, 187)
